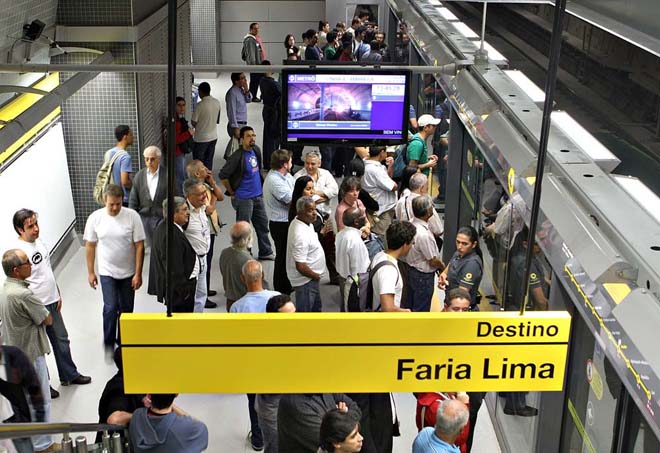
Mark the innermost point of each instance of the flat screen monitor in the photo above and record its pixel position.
(326, 106)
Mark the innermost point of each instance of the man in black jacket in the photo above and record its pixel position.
(187, 266)
(241, 176)
(271, 94)
(149, 191)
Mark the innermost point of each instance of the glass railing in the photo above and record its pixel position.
(111, 438)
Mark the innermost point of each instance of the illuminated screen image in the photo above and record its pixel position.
(345, 106)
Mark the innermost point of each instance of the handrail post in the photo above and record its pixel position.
(67, 443)
(116, 443)
(81, 444)
(105, 441)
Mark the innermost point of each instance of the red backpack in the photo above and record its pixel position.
(427, 408)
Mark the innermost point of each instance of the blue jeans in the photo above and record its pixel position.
(118, 298)
(308, 297)
(205, 151)
(254, 210)
(43, 441)
(420, 289)
(59, 340)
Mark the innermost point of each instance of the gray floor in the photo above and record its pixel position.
(225, 415)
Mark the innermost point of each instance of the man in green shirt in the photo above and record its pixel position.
(417, 152)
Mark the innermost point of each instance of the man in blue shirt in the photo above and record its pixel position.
(278, 190)
(254, 301)
(241, 176)
(452, 417)
(236, 100)
(123, 166)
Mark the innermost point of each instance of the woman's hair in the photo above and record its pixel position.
(298, 188)
(322, 24)
(405, 178)
(349, 183)
(472, 234)
(336, 426)
(286, 40)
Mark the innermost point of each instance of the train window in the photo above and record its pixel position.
(639, 436)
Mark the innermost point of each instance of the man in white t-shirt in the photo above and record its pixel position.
(352, 253)
(43, 285)
(378, 182)
(305, 260)
(387, 281)
(116, 235)
(205, 120)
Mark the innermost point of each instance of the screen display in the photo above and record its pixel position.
(327, 106)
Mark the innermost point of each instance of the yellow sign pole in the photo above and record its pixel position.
(344, 352)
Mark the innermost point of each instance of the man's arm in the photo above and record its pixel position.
(119, 418)
(387, 303)
(304, 269)
(539, 298)
(126, 180)
(134, 200)
(136, 282)
(90, 254)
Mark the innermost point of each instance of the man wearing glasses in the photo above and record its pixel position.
(43, 285)
(198, 233)
(149, 191)
(24, 321)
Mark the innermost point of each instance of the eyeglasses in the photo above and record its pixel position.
(151, 158)
(28, 263)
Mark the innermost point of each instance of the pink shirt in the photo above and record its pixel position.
(339, 213)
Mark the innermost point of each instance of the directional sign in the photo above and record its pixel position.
(344, 352)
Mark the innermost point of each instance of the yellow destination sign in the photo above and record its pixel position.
(344, 352)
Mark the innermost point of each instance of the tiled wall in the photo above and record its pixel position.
(152, 88)
(94, 12)
(89, 118)
(277, 19)
(204, 30)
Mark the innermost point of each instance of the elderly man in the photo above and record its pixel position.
(452, 417)
(118, 236)
(305, 260)
(378, 182)
(205, 120)
(185, 269)
(352, 254)
(424, 257)
(278, 190)
(254, 301)
(24, 321)
(197, 170)
(325, 189)
(418, 185)
(232, 260)
(43, 285)
(149, 191)
(241, 176)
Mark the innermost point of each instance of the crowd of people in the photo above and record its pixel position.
(373, 233)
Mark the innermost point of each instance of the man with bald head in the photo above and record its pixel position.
(450, 421)
(232, 260)
(256, 298)
(352, 254)
(149, 191)
(254, 301)
(418, 185)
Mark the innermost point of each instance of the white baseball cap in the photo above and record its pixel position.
(425, 120)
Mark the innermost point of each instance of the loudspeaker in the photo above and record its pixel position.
(33, 30)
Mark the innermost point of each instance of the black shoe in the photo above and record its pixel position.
(80, 380)
(212, 292)
(210, 304)
(526, 411)
(257, 444)
(54, 393)
(256, 99)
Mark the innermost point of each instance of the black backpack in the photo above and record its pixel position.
(361, 293)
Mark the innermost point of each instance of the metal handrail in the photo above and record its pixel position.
(14, 430)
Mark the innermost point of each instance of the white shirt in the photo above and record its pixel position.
(198, 231)
(325, 183)
(303, 246)
(115, 238)
(42, 281)
(205, 117)
(378, 183)
(403, 211)
(424, 248)
(152, 183)
(195, 271)
(387, 280)
(352, 256)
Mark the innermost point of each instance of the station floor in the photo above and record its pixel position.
(225, 415)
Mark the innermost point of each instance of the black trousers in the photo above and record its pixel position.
(376, 421)
(183, 300)
(255, 78)
(209, 261)
(279, 232)
(476, 398)
(271, 134)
